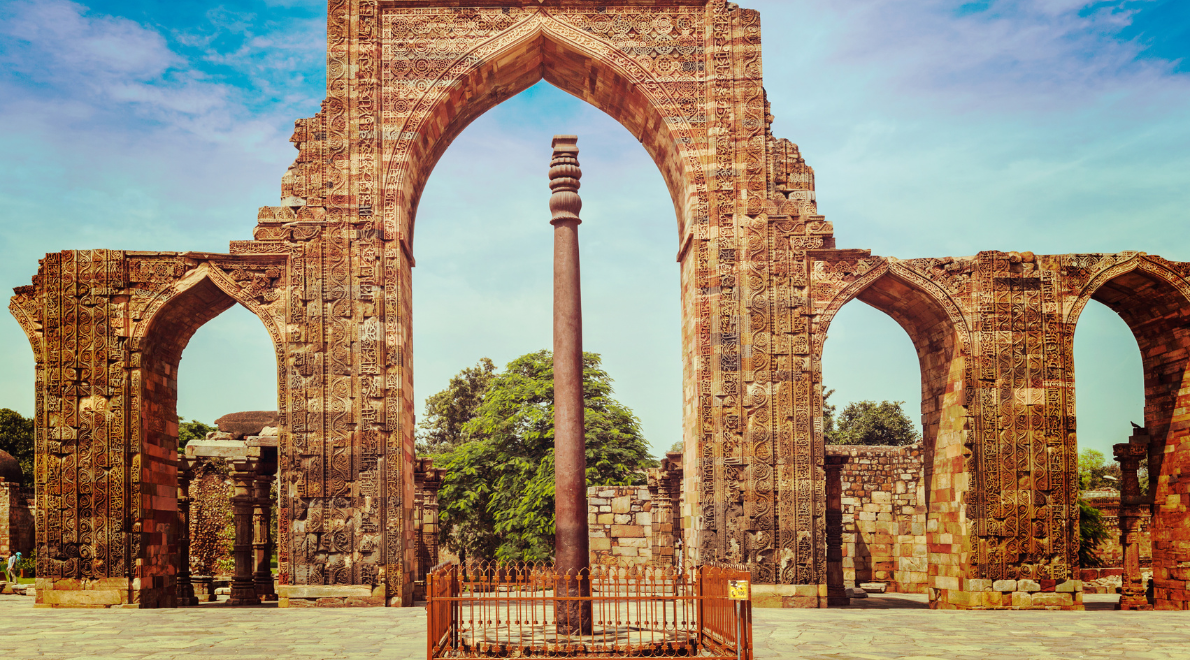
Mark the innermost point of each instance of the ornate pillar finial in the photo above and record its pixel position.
(565, 173)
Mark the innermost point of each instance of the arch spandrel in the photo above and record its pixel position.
(564, 49)
(208, 271)
(1096, 270)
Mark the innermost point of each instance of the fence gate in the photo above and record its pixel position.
(507, 611)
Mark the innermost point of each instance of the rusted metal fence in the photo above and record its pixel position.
(507, 611)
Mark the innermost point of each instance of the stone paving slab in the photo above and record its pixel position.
(885, 626)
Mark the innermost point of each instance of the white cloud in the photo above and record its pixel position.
(63, 51)
(1012, 55)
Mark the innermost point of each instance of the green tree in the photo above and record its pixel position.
(497, 497)
(447, 411)
(16, 438)
(192, 430)
(828, 419)
(870, 423)
(1091, 531)
(1095, 473)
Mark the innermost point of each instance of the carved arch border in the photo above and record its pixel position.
(910, 277)
(30, 326)
(1138, 261)
(207, 270)
(693, 186)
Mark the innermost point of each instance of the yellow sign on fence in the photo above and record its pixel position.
(737, 589)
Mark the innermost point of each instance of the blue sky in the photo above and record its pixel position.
(936, 128)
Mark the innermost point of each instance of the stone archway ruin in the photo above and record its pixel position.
(329, 272)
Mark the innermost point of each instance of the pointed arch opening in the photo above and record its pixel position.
(1154, 304)
(155, 483)
(921, 536)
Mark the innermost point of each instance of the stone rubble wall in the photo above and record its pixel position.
(884, 516)
(210, 520)
(621, 525)
(17, 532)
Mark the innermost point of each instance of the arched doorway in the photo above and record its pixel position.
(870, 370)
(164, 526)
(1155, 303)
(927, 315)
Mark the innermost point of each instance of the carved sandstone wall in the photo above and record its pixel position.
(211, 533)
(329, 272)
(1108, 504)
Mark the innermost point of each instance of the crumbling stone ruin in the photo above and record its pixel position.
(16, 509)
(328, 273)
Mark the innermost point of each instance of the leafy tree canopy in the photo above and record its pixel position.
(497, 496)
(16, 438)
(869, 423)
(1095, 473)
(1092, 531)
(441, 429)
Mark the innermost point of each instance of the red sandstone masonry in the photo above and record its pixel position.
(329, 275)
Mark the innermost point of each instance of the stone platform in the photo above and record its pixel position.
(883, 626)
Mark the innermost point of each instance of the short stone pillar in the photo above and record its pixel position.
(243, 588)
(204, 588)
(1132, 510)
(262, 539)
(836, 591)
(185, 587)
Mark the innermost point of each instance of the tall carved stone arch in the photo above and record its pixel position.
(939, 330)
(1154, 300)
(543, 46)
(170, 320)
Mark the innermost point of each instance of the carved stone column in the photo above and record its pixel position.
(1132, 511)
(185, 587)
(243, 589)
(571, 545)
(836, 591)
(262, 538)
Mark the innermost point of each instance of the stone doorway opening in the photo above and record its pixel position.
(881, 491)
(482, 288)
(167, 469)
(1155, 306)
(886, 505)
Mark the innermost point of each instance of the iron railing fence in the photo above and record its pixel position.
(494, 610)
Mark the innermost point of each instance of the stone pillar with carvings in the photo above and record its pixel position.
(185, 587)
(1132, 510)
(262, 538)
(243, 588)
(836, 591)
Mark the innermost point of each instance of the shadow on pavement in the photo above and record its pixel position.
(1092, 602)
(890, 602)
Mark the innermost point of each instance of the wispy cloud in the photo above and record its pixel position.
(1008, 54)
(120, 135)
(55, 50)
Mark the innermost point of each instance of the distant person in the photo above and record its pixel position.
(11, 567)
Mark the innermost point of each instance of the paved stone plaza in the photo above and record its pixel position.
(888, 626)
